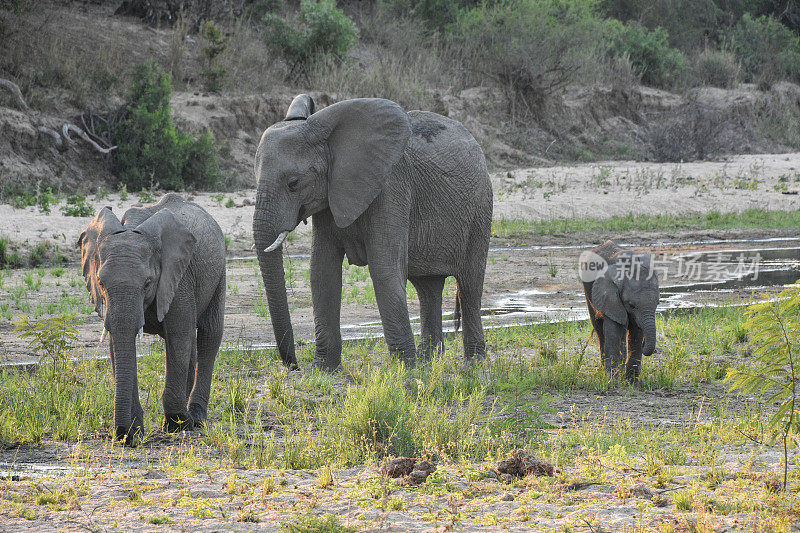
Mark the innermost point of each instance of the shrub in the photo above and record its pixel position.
(767, 49)
(326, 31)
(151, 150)
(76, 206)
(213, 74)
(690, 132)
(530, 48)
(657, 63)
(435, 14)
(774, 330)
(718, 68)
(688, 23)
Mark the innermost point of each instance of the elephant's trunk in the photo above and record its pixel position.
(271, 264)
(649, 329)
(124, 317)
(123, 355)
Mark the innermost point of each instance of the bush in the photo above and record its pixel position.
(326, 31)
(435, 14)
(76, 206)
(767, 49)
(531, 48)
(688, 23)
(717, 68)
(151, 150)
(649, 51)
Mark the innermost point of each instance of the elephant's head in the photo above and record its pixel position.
(338, 158)
(128, 269)
(629, 291)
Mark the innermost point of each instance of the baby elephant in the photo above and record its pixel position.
(622, 294)
(160, 270)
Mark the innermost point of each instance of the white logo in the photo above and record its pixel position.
(592, 266)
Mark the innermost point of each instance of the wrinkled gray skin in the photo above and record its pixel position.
(161, 268)
(622, 305)
(406, 193)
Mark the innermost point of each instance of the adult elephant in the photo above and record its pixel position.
(160, 270)
(407, 194)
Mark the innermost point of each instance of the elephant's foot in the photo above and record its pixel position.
(178, 422)
(327, 357)
(198, 413)
(129, 436)
(427, 348)
(326, 366)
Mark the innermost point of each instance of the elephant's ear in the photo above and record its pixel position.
(366, 137)
(177, 249)
(606, 299)
(104, 224)
(301, 108)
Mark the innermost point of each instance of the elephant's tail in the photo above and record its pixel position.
(457, 310)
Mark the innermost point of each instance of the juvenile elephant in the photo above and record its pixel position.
(160, 270)
(622, 294)
(406, 193)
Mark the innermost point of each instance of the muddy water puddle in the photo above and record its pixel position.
(524, 285)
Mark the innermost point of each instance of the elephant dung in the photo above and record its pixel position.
(399, 466)
(521, 463)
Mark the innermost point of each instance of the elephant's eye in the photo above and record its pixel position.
(293, 183)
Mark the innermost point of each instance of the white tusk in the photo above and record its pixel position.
(102, 336)
(253, 246)
(141, 333)
(277, 242)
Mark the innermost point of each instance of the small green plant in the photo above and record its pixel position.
(145, 196)
(326, 32)
(45, 252)
(230, 203)
(309, 523)
(774, 332)
(213, 74)
(158, 520)
(218, 198)
(51, 337)
(76, 206)
(46, 199)
(123, 192)
(101, 193)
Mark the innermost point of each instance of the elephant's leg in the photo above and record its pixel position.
(209, 336)
(180, 328)
(326, 297)
(613, 346)
(429, 290)
(597, 322)
(634, 362)
(471, 291)
(390, 292)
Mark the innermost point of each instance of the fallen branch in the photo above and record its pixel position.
(82, 134)
(14, 88)
(57, 140)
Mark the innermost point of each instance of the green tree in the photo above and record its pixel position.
(151, 150)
